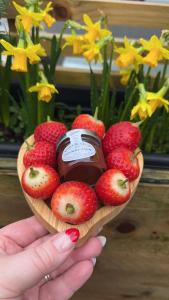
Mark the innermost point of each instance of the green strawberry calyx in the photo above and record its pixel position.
(33, 173)
(70, 209)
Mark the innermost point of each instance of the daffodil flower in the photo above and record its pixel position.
(128, 55)
(47, 18)
(125, 76)
(94, 30)
(149, 102)
(142, 109)
(156, 101)
(92, 52)
(22, 55)
(45, 91)
(76, 41)
(156, 51)
(30, 18)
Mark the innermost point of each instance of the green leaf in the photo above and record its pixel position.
(156, 83)
(4, 103)
(54, 56)
(3, 7)
(94, 93)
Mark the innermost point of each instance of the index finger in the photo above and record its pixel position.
(24, 232)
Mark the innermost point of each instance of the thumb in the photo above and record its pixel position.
(28, 267)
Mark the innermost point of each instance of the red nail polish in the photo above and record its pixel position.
(73, 234)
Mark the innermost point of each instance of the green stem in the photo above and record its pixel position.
(61, 34)
(150, 139)
(147, 77)
(96, 112)
(164, 89)
(163, 131)
(164, 73)
(127, 106)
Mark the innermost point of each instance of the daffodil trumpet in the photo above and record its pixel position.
(149, 102)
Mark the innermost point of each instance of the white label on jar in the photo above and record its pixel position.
(77, 149)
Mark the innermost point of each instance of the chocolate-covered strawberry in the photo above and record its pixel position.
(124, 160)
(41, 152)
(124, 134)
(40, 181)
(74, 202)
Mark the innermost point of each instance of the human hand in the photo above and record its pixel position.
(28, 253)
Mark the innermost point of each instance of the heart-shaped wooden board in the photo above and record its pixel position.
(45, 215)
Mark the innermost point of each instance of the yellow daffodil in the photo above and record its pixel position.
(47, 18)
(76, 41)
(156, 101)
(21, 55)
(149, 102)
(125, 76)
(92, 52)
(94, 30)
(128, 55)
(142, 109)
(156, 51)
(29, 18)
(44, 90)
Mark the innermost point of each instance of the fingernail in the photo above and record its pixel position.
(73, 234)
(93, 260)
(102, 240)
(66, 240)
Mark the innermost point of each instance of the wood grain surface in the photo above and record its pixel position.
(88, 228)
(135, 262)
(127, 13)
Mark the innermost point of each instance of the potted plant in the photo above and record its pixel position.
(144, 97)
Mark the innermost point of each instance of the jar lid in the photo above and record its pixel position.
(80, 132)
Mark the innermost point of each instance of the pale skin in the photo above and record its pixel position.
(27, 254)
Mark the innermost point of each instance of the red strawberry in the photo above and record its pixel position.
(112, 188)
(121, 134)
(40, 181)
(74, 202)
(41, 152)
(49, 131)
(124, 160)
(85, 121)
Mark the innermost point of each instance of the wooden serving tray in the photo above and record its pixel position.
(46, 217)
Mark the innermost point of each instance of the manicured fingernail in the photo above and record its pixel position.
(73, 234)
(93, 260)
(102, 240)
(66, 240)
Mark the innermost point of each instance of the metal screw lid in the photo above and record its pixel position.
(81, 132)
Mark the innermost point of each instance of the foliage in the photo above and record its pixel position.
(145, 89)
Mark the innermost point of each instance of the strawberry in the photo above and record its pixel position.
(113, 188)
(121, 134)
(74, 202)
(49, 131)
(41, 152)
(40, 181)
(124, 160)
(85, 121)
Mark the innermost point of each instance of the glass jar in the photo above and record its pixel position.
(80, 156)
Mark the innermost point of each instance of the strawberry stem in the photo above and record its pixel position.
(96, 113)
(33, 173)
(48, 118)
(137, 124)
(28, 145)
(70, 209)
(122, 183)
(135, 154)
